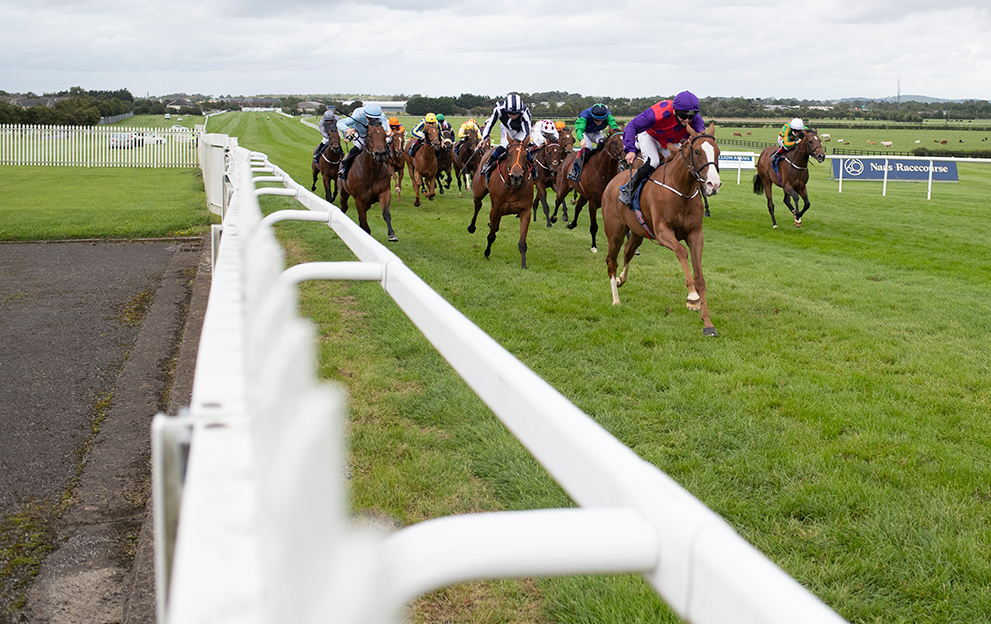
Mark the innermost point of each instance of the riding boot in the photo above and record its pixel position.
(530, 163)
(346, 163)
(415, 146)
(576, 169)
(628, 190)
(318, 151)
(775, 157)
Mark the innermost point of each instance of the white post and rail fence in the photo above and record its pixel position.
(251, 502)
(97, 146)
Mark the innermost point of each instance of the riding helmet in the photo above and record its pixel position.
(373, 110)
(797, 124)
(393, 121)
(686, 101)
(440, 116)
(430, 118)
(514, 103)
(599, 111)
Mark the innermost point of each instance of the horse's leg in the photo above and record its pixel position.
(804, 192)
(384, 198)
(695, 241)
(316, 172)
(524, 226)
(417, 181)
(362, 209)
(494, 217)
(344, 198)
(615, 241)
(667, 238)
(438, 184)
(593, 226)
(479, 191)
(578, 210)
(541, 198)
(769, 193)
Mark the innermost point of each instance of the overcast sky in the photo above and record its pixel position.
(826, 49)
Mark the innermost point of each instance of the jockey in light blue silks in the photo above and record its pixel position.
(355, 128)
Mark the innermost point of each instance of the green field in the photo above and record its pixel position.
(839, 422)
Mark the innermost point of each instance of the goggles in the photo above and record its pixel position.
(680, 114)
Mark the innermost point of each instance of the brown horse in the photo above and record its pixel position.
(672, 210)
(370, 178)
(794, 170)
(600, 167)
(467, 157)
(445, 158)
(328, 164)
(423, 165)
(546, 161)
(510, 187)
(397, 160)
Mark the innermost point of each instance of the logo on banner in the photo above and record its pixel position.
(854, 166)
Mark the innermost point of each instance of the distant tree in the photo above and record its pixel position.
(10, 114)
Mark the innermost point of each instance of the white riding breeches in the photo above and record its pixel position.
(590, 140)
(651, 150)
(509, 133)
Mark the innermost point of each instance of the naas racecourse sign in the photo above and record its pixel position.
(859, 168)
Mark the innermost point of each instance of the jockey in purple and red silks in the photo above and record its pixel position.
(653, 130)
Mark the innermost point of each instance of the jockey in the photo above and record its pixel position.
(355, 128)
(560, 126)
(328, 119)
(443, 125)
(543, 132)
(418, 132)
(653, 130)
(469, 127)
(790, 136)
(588, 131)
(396, 128)
(514, 123)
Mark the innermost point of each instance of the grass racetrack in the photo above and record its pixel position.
(839, 422)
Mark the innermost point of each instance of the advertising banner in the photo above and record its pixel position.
(873, 168)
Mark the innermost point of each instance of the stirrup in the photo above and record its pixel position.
(626, 195)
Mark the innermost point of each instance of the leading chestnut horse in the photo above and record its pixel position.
(599, 169)
(510, 187)
(370, 178)
(794, 170)
(328, 164)
(671, 210)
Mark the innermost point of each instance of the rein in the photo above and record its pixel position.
(695, 171)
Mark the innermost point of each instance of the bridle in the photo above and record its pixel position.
(520, 154)
(696, 171)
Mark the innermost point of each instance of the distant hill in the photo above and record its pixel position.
(925, 99)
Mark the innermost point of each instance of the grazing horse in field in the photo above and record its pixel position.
(369, 179)
(397, 160)
(328, 164)
(467, 156)
(445, 158)
(547, 162)
(600, 167)
(794, 174)
(671, 210)
(510, 188)
(423, 165)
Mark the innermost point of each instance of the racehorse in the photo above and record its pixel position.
(445, 158)
(467, 157)
(423, 165)
(546, 161)
(671, 210)
(794, 174)
(370, 178)
(328, 164)
(397, 160)
(600, 167)
(510, 188)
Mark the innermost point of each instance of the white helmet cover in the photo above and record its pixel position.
(796, 124)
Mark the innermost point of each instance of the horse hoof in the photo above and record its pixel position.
(709, 331)
(694, 306)
(571, 226)
(471, 229)
(774, 227)
(798, 223)
(594, 250)
(393, 238)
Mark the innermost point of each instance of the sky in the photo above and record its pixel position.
(821, 50)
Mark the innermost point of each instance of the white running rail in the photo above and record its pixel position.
(252, 521)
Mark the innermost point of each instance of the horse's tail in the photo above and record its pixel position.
(758, 184)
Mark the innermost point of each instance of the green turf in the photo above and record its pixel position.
(839, 422)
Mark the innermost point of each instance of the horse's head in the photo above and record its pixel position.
(517, 171)
(375, 141)
(614, 146)
(431, 134)
(703, 159)
(553, 155)
(567, 140)
(813, 145)
(334, 144)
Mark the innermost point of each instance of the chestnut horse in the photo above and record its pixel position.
(546, 161)
(370, 178)
(600, 167)
(467, 157)
(510, 187)
(397, 160)
(423, 165)
(794, 174)
(671, 210)
(328, 164)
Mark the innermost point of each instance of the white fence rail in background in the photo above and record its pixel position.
(252, 521)
(97, 146)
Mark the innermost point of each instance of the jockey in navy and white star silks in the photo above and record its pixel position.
(514, 123)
